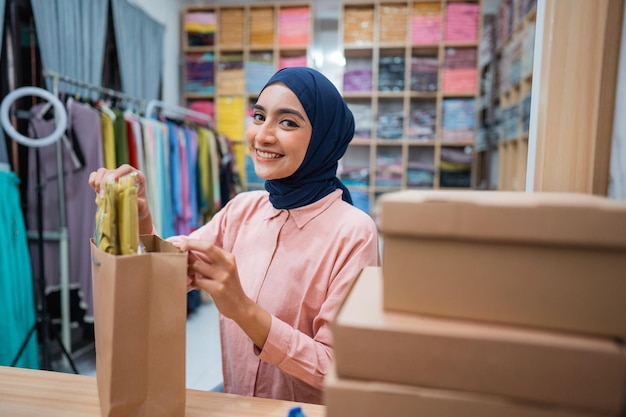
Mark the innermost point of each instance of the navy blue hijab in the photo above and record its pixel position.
(333, 129)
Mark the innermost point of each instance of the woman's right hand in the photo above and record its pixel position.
(98, 178)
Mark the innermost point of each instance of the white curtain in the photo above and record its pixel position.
(139, 41)
(71, 36)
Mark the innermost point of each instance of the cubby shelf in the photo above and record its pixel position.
(411, 80)
(506, 66)
(229, 53)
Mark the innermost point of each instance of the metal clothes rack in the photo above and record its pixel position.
(153, 105)
(107, 92)
(61, 234)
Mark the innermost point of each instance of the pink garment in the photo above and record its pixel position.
(297, 264)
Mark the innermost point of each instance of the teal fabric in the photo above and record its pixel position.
(17, 307)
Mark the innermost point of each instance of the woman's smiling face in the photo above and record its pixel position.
(279, 134)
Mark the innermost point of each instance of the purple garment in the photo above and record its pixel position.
(80, 208)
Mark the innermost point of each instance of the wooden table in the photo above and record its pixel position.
(27, 392)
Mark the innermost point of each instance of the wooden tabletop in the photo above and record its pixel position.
(27, 392)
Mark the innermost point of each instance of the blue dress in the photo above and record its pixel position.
(17, 306)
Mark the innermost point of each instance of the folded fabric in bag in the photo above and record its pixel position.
(140, 312)
(117, 223)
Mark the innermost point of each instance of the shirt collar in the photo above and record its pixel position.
(302, 215)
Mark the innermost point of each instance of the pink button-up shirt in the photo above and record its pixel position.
(297, 264)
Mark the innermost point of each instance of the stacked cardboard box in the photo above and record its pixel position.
(487, 304)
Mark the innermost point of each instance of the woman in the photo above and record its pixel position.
(278, 262)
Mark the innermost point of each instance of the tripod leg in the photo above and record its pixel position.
(55, 335)
(25, 343)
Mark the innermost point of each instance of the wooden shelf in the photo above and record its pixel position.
(400, 132)
(248, 44)
(504, 114)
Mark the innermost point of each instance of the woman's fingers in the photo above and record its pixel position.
(99, 177)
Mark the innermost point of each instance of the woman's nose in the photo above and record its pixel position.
(265, 133)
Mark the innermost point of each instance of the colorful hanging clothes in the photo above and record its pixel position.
(188, 180)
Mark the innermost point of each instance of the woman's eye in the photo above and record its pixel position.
(289, 123)
(258, 117)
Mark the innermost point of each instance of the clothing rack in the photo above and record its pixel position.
(153, 105)
(107, 92)
(61, 235)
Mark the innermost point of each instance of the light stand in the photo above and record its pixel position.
(42, 320)
(43, 323)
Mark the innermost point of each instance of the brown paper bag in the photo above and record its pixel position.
(140, 322)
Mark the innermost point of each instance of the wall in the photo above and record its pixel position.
(617, 179)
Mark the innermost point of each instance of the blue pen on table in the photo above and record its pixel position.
(296, 412)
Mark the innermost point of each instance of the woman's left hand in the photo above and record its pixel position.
(214, 270)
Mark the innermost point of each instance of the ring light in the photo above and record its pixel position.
(60, 116)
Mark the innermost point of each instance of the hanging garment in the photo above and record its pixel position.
(108, 140)
(17, 307)
(183, 220)
(163, 175)
(135, 132)
(215, 171)
(175, 171)
(205, 195)
(228, 173)
(191, 140)
(80, 208)
(120, 138)
(149, 171)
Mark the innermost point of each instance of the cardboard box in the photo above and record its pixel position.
(577, 372)
(349, 397)
(553, 260)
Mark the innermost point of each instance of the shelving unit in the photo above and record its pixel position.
(489, 114)
(506, 77)
(229, 53)
(411, 80)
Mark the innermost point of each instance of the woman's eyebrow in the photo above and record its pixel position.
(282, 110)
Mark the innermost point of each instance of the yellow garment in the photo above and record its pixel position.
(193, 27)
(127, 215)
(204, 166)
(117, 222)
(106, 231)
(455, 166)
(108, 141)
(214, 158)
